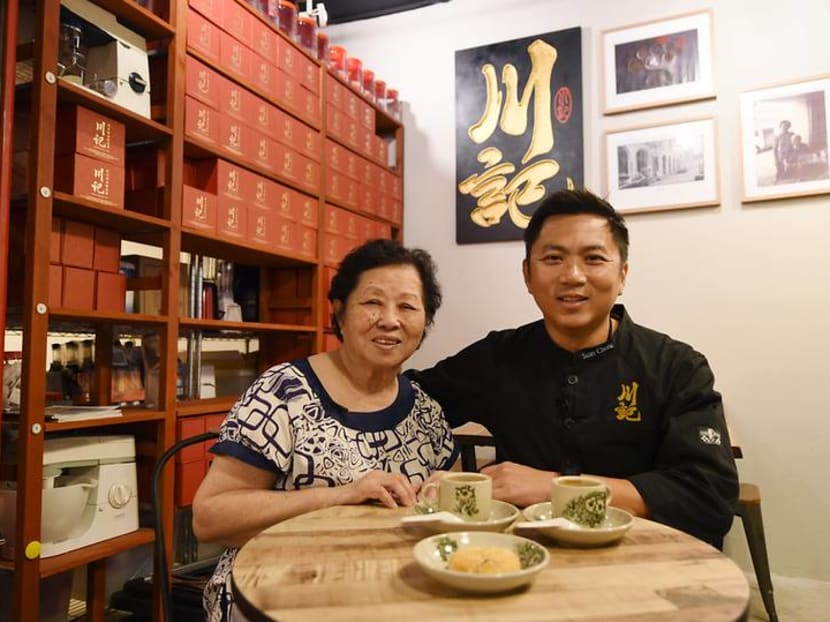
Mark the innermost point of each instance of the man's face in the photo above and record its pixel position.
(575, 275)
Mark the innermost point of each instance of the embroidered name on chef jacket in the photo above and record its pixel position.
(626, 409)
(709, 436)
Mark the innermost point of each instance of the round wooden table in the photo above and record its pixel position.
(356, 563)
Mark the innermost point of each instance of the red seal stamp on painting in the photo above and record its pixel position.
(563, 104)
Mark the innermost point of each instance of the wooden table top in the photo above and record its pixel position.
(356, 563)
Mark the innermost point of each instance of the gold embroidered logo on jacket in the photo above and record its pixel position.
(627, 403)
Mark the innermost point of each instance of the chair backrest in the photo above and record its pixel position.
(161, 570)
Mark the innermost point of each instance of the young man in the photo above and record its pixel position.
(586, 390)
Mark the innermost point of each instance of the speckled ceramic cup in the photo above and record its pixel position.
(468, 495)
(582, 500)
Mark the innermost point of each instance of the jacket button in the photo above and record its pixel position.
(569, 423)
(573, 379)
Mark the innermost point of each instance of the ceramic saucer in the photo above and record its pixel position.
(502, 515)
(617, 522)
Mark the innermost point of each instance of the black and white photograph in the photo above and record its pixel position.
(662, 166)
(785, 138)
(658, 63)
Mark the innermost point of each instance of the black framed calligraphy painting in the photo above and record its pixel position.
(518, 131)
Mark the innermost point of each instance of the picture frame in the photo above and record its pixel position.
(662, 167)
(658, 63)
(784, 140)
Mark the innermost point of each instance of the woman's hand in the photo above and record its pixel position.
(391, 489)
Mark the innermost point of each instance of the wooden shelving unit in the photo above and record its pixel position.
(277, 338)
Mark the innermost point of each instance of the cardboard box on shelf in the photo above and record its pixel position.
(234, 56)
(89, 133)
(203, 83)
(201, 121)
(306, 212)
(264, 75)
(203, 36)
(231, 218)
(236, 101)
(214, 10)
(235, 137)
(265, 42)
(198, 209)
(91, 179)
(107, 253)
(110, 291)
(77, 244)
(78, 291)
(261, 225)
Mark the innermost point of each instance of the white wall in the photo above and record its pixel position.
(745, 284)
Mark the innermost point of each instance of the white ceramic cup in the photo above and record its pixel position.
(582, 500)
(468, 495)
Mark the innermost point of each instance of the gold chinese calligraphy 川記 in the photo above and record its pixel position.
(503, 180)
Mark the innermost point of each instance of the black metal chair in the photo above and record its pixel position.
(161, 569)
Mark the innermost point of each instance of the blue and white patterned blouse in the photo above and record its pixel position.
(288, 424)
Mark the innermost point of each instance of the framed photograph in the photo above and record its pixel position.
(662, 167)
(784, 138)
(657, 63)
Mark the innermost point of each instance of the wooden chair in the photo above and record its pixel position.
(470, 436)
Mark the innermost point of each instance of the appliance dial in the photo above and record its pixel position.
(119, 495)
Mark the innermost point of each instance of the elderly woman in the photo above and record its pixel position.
(340, 427)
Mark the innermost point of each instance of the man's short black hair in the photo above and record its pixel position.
(564, 202)
(379, 253)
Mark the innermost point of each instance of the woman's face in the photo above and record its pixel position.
(383, 320)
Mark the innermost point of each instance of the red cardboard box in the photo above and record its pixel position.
(110, 291)
(91, 179)
(367, 116)
(309, 143)
(307, 241)
(286, 202)
(352, 105)
(145, 168)
(107, 256)
(307, 210)
(352, 165)
(203, 83)
(309, 75)
(262, 225)
(396, 212)
(234, 136)
(265, 151)
(78, 291)
(286, 237)
(198, 209)
(368, 143)
(383, 230)
(397, 186)
(55, 241)
(77, 244)
(334, 221)
(368, 199)
(350, 224)
(289, 58)
(331, 249)
(381, 151)
(55, 285)
(370, 172)
(89, 133)
(309, 104)
(266, 192)
(333, 156)
(239, 22)
(203, 36)
(201, 121)
(336, 92)
(365, 229)
(264, 75)
(265, 42)
(335, 122)
(384, 204)
(214, 10)
(187, 427)
(219, 177)
(265, 118)
(188, 477)
(231, 219)
(236, 101)
(234, 56)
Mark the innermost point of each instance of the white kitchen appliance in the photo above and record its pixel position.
(117, 66)
(89, 494)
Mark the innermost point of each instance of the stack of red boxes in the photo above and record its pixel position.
(192, 462)
(89, 157)
(234, 114)
(242, 206)
(83, 267)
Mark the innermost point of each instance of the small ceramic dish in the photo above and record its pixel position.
(617, 522)
(432, 555)
(502, 515)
